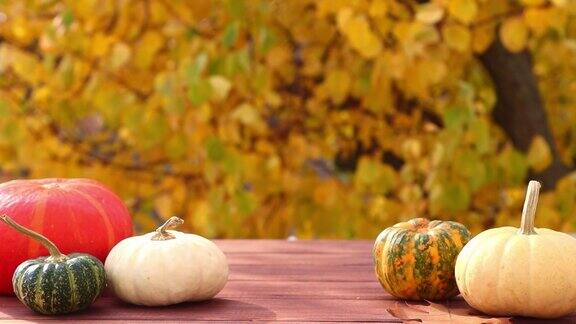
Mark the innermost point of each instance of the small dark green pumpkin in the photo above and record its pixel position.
(57, 284)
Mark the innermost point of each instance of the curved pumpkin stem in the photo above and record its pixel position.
(529, 210)
(55, 254)
(161, 232)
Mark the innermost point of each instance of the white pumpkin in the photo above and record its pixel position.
(166, 267)
(520, 272)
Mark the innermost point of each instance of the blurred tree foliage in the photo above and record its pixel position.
(327, 118)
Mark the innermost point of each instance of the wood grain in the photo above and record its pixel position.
(270, 281)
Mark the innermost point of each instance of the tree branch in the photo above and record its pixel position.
(520, 109)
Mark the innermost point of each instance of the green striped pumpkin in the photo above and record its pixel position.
(57, 284)
(415, 260)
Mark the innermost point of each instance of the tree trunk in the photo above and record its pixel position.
(519, 109)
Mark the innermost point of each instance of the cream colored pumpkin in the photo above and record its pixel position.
(166, 267)
(526, 272)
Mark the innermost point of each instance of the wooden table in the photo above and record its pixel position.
(300, 281)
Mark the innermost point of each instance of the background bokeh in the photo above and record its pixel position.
(326, 118)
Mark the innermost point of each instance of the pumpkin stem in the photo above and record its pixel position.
(529, 210)
(161, 232)
(55, 254)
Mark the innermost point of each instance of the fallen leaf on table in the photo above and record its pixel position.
(438, 313)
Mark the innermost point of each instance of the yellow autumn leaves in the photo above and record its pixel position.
(464, 11)
(539, 154)
(514, 34)
(538, 18)
(319, 118)
(465, 25)
(357, 30)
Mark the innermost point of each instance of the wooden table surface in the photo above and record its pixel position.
(270, 280)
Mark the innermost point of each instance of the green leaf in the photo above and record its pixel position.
(387, 181)
(480, 131)
(375, 176)
(365, 78)
(175, 106)
(514, 166)
(456, 116)
(232, 164)
(12, 132)
(155, 132)
(469, 165)
(217, 65)
(67, 18)
(265, 40)
(230, 34)
(234, 63)
(366, 172)
(195, 70)
(260, 80)
(466, 92)
(450, 197)
(4, 109)
(68, 73)
(245, 202)
(215, 149)
(242, 60)
(199, 91)
(132, 118)
(237, 8)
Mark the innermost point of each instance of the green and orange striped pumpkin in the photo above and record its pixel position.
(415, 259)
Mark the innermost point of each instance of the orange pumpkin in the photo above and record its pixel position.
(78, 215)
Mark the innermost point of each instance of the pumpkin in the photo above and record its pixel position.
(415, 259)
(166, 267)
(529, 271)
(57, 284)
(78, 215)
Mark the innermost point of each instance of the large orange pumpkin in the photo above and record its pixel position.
(78, 215)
